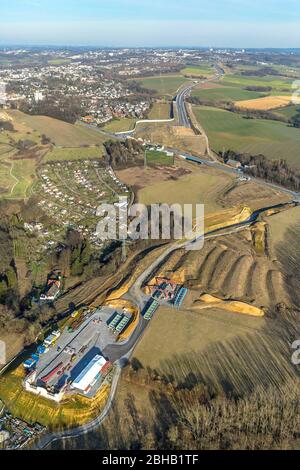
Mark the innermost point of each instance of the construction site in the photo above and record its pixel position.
(76, 359)
(163, 291)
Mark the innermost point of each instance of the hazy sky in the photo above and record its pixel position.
(231, 23)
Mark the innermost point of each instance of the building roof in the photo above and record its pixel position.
(87, 376)
(234, 163)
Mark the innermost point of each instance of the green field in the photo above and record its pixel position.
(24, 173)
(288, 111)
(154, 157)
(160, 111)
(165, 85)
(80, 153)
(228, 130)
(280, 85)
(227, 93)
(120, 125)
(200, 70)
(16, 178)
(6, 180)
(59, 132)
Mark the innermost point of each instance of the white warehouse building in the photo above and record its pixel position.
(88, 377)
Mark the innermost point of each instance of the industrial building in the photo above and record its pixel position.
(75, 360)
(149, 309)
(90, 374)
(118, 323)
(165, 290)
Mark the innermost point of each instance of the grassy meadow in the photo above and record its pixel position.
(158, 158)
(201, 70)
(120, 125)
(228, 130)
(225, 93)
(160, 111)
(59, 132)
(77, 153)
(165, 85)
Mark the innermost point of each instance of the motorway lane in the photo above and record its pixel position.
(116, 352)
(184, 92)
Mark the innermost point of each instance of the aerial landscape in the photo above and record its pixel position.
(149, 230)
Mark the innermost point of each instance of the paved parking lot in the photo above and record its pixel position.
(91, 338)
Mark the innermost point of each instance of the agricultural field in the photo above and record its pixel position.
(281, 222)
(280, 85)
(59, 61)
(228, 130)
(224, 93)
(214, 347)
(202, 186)
(266, 103)
(288, 112)
(160, 111)
(165, 85)
(201, 71)
(80, 153)
(232, 88)
(154, 157)
(60, 133)
(120, 125)
(285, 71)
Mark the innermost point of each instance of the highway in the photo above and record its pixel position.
(119, 353)
(184, 92)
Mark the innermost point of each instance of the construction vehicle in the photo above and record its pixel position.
(73, 358)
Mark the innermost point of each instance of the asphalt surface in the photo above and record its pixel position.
(185, 91)
(122, 351)
(48, 439)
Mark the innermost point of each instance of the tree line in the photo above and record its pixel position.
(275, 171)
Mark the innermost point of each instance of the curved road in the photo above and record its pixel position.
(122, 351)
(47, 439)
(185, 91)
(117, 353)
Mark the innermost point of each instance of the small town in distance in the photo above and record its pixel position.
(149, 230)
